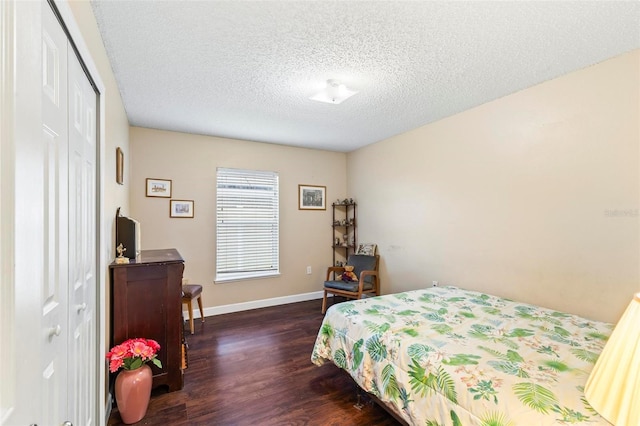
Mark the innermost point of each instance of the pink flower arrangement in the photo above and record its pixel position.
(131, 354)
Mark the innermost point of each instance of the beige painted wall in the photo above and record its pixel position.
(533, 196)
(190, 161)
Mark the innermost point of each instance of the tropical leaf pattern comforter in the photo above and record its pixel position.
(448, 356)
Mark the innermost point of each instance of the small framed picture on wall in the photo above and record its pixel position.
(181, 208)
(312, 197)
(158, 188)
(119, 166)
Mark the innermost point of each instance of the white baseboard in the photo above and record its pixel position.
(255, 304)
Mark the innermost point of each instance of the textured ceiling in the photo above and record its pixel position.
(246, 69)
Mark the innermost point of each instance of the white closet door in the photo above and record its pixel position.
(52, 372)
(54, 292)
(82, 244)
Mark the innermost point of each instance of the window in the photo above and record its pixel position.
(247, 237)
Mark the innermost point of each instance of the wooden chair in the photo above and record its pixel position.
(190, 292)
(365, 268)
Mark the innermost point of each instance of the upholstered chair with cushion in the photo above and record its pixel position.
(366, 270)
(190, 292)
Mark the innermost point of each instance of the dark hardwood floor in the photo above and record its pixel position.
(254, 368)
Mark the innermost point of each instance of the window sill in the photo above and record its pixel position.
(244, 277)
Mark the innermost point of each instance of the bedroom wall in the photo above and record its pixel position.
(190, 161)
(533, 196)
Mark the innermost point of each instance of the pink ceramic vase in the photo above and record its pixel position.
(133, 390)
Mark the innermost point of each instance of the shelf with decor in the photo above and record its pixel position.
(344, 230)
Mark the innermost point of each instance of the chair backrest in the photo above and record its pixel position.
(362, 262)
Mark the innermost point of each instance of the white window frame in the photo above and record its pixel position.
(247, 217)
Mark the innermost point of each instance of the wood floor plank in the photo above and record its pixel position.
(254, 368)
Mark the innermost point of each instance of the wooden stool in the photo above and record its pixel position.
(190, 292)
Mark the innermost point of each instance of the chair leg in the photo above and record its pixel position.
(190, 307)
(324, 302)
(200, 307)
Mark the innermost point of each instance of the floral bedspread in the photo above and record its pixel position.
(447, 356)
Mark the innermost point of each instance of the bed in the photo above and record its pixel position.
(449, 356)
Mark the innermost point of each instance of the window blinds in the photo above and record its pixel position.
(247, 243)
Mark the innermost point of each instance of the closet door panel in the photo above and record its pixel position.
(54, 283)
(82, 243)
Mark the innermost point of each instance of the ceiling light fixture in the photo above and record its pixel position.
(334, 93)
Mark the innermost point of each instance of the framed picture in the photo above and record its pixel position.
(312, 197)
(158, 188)
(119, 166)
(181, 208)
(368, 249)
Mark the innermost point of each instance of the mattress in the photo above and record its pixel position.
(449, 356)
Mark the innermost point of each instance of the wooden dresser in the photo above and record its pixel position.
(146, 301)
